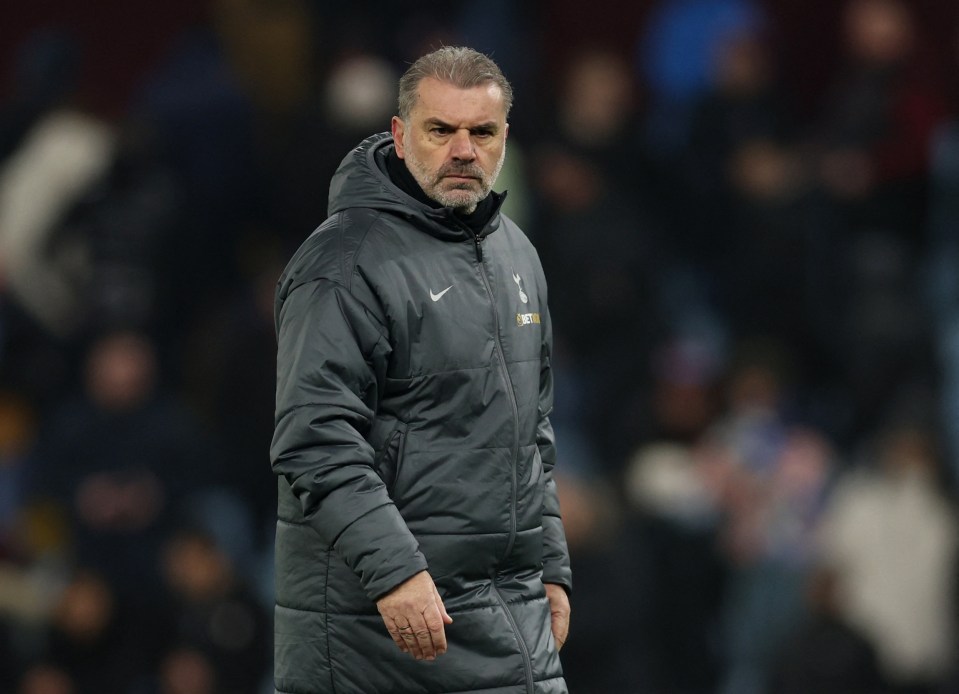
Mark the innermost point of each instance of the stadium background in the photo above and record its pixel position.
(748, 211)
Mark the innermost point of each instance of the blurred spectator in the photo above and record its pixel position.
(746, 101)
(122, 458)
(732, 515)
(769, 475)
(234, 400)
(744, 107)
(357, 97)
(754, 231)
(676, 518)
(269, 47)
(611, 643)
(83, 252)
(685, 392)
(600, 241)
(676, 53)
(870, 157)
(603, 238)
(770, 264)
(187, 671)
(128, 222)
(299, 106)
(46, 679)
(890, 534)
(676, 521)
(95, 641)
(214, 615)
(884, 344)
(202, 128)
(826, 655)
(879, 119)
(597, 117)
(61, 158)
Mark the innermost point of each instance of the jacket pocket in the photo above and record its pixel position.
(389, 457)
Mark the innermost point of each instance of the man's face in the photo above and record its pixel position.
(454, 141)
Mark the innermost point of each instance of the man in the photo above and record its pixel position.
(419, 545)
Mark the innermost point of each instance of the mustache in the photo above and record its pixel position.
(461, 170)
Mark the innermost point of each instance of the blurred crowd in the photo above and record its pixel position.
(748, 213)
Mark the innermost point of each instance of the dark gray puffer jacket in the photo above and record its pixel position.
(412, 433)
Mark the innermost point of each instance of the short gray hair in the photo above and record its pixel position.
(462, 67)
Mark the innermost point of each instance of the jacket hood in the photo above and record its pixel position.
(362, 181)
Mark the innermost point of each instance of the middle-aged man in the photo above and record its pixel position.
(419, 545)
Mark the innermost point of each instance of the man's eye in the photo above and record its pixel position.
(482, 134)
(437, 130)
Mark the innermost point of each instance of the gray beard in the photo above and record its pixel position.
(463, 199)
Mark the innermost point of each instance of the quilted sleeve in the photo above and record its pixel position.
(556, 567)
(331, 362)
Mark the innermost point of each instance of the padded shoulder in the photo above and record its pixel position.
(330, 252)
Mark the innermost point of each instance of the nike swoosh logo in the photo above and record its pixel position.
(437, 297)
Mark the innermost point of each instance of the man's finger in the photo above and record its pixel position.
(434, 622)
(395, 635)
(424, 642)
(559, 612)
(410, 639)
(441, 607)
(560, 632)
(560, 629)
(429, 633)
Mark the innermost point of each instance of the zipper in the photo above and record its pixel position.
(524, 650)
(514, 407)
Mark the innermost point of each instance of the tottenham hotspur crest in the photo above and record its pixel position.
(519, 285)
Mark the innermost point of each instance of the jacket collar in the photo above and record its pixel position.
(362, 180)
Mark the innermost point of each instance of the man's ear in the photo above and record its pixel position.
(398, 127)
(506, 132)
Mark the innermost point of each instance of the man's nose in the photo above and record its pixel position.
(462, 146)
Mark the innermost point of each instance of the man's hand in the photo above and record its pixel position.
(559, 612)
(414, 615)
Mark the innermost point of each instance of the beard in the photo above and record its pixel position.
(462, 196)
